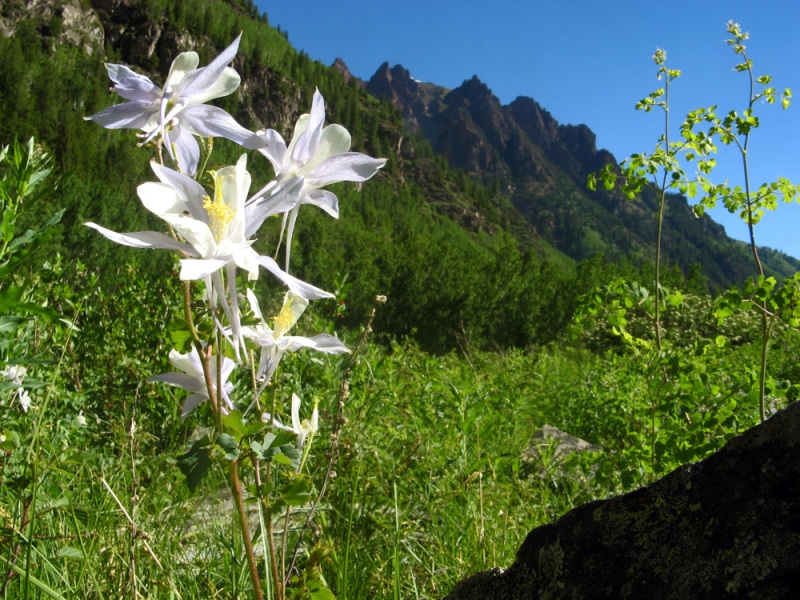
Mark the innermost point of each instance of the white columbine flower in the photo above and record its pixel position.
(15, 374)
(191, 378)
(178, 111)
(274, 341)
(320, 156)
(300, 428)
(215, 230)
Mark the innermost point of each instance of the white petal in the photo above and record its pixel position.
(293, 308)
(128, 115)
(191, 192)
(247, 259)
(224, 84)
(296, 414)
(144, 239)
(184, 381)
(283, 200)
(301, 288)
(210, 121)
(289, 222)
(234, 317)
(24, 399)
(329, 344)
(321, 342)
(300, 127)
(188, 150)
(275, 149)
(189, 362)
(131, 85)
(161, 199)
(184, 63)
(350, 166)
(214, 80)
(192, 401)
(326, 200)
(335, 139)
(233, 183)
(308, 142)
(251, 298)
(195, 232)
(267, 418)
(194, 269)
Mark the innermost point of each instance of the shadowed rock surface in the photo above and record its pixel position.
(725, 527)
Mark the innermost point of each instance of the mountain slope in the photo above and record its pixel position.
(544, 166)
(452, 248)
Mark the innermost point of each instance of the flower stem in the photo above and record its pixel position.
(248, 543)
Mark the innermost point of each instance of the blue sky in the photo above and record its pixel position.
(584, 62)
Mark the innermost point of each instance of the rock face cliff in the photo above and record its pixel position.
(543, 165)
(521, 143)
(726, 527)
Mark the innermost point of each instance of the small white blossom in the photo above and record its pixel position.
(274, 341)
(319, 155)
(178, 111)
(301, 428)
(191, 378)
(15, 374)
(216, 232)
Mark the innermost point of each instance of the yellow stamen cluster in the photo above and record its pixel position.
(219, 213)
(293, 307)
(285, 319)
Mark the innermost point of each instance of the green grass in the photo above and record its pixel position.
(431, 484)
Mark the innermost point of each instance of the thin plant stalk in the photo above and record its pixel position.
(277, 579)
(339, 421)
(661, 198)
(766, 321)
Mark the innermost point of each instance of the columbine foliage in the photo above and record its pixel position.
(213, 230)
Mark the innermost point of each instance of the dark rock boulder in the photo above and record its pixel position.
(725, 527)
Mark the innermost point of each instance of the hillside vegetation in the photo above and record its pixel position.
(510, 305)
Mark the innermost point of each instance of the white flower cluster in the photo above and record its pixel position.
(213, 230)
(14, 374)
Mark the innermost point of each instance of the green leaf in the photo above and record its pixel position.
(44, 312)
(9, 298)
(234, 423)
(298, 492)
(179, 335)
(195, 462)
(9, 323)
(229, 445)
(7, 227)
(71, 553)
(318, 590)
(33, 234)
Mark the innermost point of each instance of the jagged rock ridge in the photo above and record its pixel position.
(543, 165)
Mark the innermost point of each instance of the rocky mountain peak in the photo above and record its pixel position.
(536, 122)
(393, 83)
(342, 67)
(417, 101)
(473, 92)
